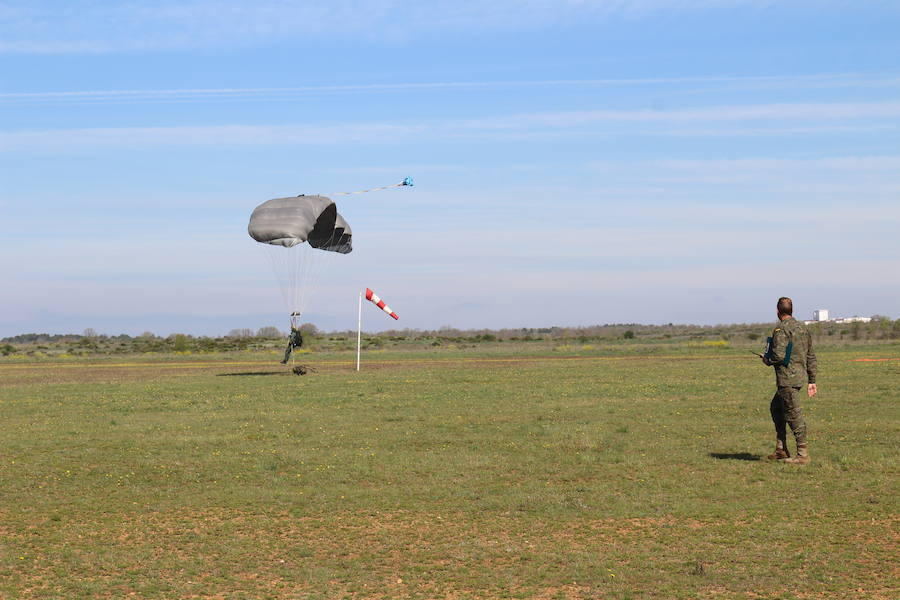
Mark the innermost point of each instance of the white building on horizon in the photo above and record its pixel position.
(821, 316)
(853, 319)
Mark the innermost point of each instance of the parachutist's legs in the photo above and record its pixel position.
(287, 353)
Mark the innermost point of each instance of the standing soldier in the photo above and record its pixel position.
(790, 351)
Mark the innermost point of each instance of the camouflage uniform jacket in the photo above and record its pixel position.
(791, 353)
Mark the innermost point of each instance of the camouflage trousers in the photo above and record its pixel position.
(785, 409)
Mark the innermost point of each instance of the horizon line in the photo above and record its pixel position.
(833, 321)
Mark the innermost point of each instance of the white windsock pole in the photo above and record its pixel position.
(359, 332)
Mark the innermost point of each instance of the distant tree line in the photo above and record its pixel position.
(270, 337)
(880, 328)
(89, 334)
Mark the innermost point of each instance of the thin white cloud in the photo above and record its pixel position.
(853, 163)
(232, 135)
(801, 111)
(766, 119)
(46, 26)
(761, 170)
(801, 273)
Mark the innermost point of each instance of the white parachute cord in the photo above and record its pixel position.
(319, 260)
(274, 255)
(308, 269)
(315, 268)
(309, 266)
(291, 267)
(407, 181)
(297, 272)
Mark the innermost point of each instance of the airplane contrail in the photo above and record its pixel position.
(276, 93)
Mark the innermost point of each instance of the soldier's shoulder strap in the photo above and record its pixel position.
(790, 345)
(790, 327)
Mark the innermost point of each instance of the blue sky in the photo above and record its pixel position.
(576, 162)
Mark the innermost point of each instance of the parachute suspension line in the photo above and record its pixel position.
(313, 264)
(310, 265)
(407, 181)
(296, 271)
(277, 262)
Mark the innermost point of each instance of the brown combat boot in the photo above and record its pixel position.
(802, 457)
(780, 452)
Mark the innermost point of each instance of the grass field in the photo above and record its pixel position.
(562, 473)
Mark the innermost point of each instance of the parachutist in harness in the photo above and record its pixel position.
(295, 340)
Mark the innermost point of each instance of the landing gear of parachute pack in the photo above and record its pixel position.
(303, 370)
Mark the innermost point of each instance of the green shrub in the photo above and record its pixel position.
(180, 344)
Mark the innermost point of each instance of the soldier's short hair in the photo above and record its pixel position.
(785, 306)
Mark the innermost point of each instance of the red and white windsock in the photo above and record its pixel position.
(374, 299)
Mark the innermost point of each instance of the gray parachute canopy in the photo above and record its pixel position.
(291, 221)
